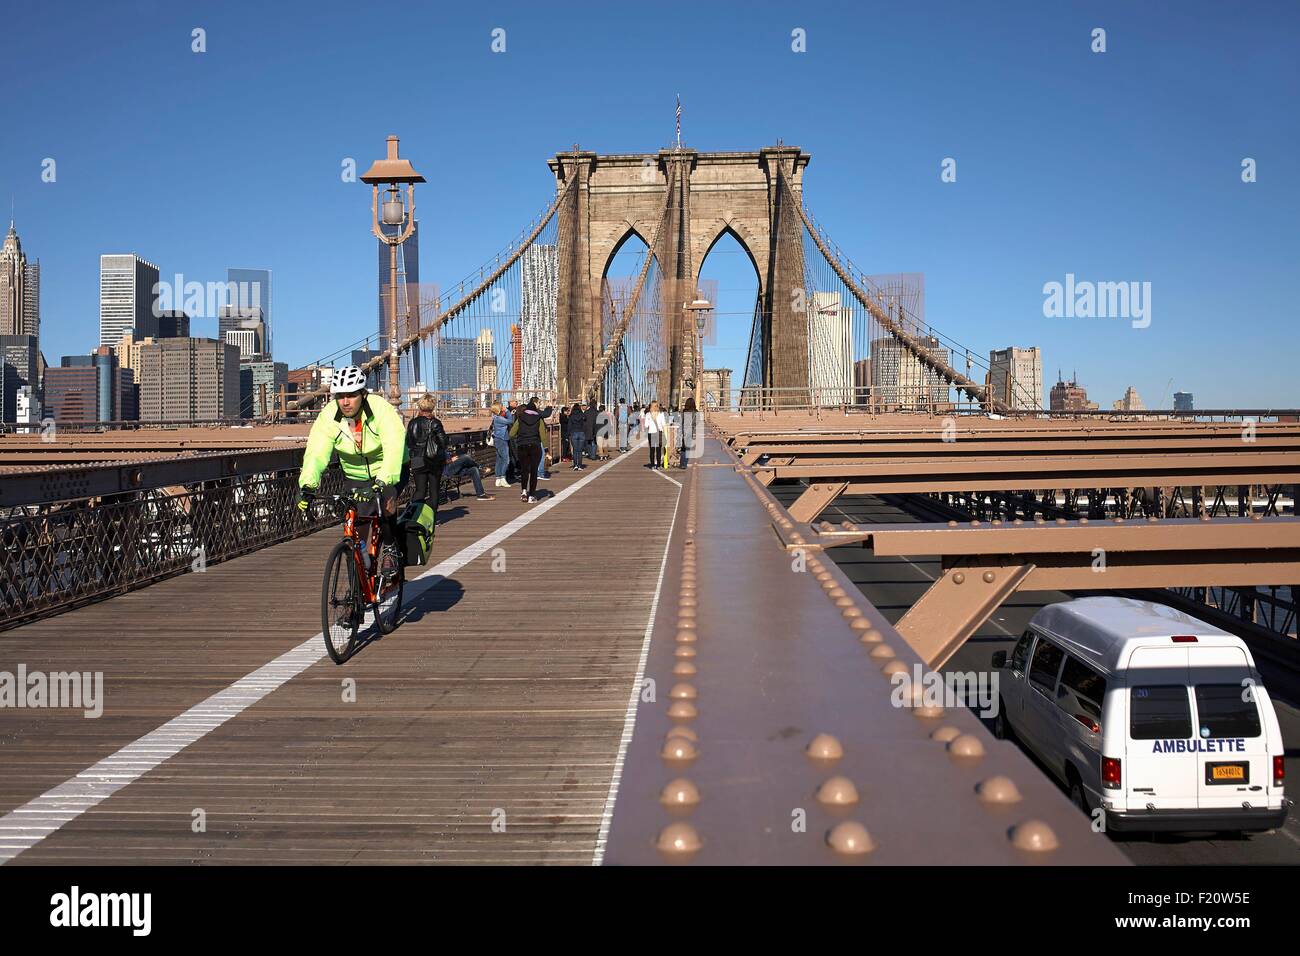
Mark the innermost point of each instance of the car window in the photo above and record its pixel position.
(1020, 653)
(1082, 689)
(1226, 710)
(1160, 711)
(1044, 667)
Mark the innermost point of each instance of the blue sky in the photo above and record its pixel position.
(1119, 166)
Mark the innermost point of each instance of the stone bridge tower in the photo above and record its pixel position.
(619, 195)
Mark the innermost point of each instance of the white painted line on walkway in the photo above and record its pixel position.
(629, 719)
(25, 826)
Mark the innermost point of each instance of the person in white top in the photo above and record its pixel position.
(656, 427)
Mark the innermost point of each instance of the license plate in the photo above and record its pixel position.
(1227, 773)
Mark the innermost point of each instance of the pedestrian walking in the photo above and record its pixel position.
(656, 427)
(502, 419)
(529, 433)
(426, 440)
(577, 434)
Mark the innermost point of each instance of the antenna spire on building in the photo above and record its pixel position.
(679, 121)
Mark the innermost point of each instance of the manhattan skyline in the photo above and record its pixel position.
(1122, 166)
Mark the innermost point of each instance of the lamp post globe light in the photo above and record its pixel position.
(391, 172)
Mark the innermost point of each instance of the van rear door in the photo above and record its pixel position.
(1161, 767)
(1233, 759)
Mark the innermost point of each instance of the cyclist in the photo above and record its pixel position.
(371, 443)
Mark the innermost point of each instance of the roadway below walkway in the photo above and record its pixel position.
(894, 584)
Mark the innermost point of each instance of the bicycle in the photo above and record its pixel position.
(359, 573)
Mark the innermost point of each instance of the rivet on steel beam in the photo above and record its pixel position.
(684, 600)
(1118, 520)
(684, 651)
(1083, 521)
(883, 651)
(893, 666)
(850, 612)
(996, 522)
(1034, 836)
(684, 732)
(1152, 519)
(678, 839)
(824, 747)
(870, 636)
(945, 733)
(952, 524)
(687, 612)
(965, 745)
(682, 710)
(1039, 519)
(998, 789)
(850, 838)
(844, 601)
(822, 575)
(958, 577)
(797, 538)
(989, 577)
(833, 590)
(678, 749)
(679, 794)
(919, 707)
(1205, 517)
(683, 692)
(1252, 518)
(684, 669)
(837, 792)
(975, 523)
(1018, 522)
(686, 637)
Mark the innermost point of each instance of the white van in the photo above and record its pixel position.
(1156, 717)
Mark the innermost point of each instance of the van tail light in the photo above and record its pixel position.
(1279, 770)
(1110, 773)
(1184, 639)
(1088, 722)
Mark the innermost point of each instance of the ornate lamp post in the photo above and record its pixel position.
(701, 307)
(392, 172)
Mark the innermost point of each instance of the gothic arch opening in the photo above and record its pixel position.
(732, 337)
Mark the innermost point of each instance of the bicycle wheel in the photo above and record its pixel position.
(389, 582)
(341, 608)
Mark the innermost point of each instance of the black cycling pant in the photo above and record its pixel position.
(361, 488)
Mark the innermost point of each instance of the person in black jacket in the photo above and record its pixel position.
(577, 434)
(427, 441)
(529, 433)
(589, 424)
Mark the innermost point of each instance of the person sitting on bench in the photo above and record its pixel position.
(458, 465)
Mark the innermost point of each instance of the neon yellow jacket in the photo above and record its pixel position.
(383, 444)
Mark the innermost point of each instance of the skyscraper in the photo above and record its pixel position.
(1069, 397)
(251, 288)
(539, 285)
(457, 369)
(189, 379)
(898, 379)
(20, 289)
(830, 349)
(127, 296)
(20, 364)
(1016, 377)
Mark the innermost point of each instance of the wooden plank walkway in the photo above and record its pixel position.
(485, 729)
